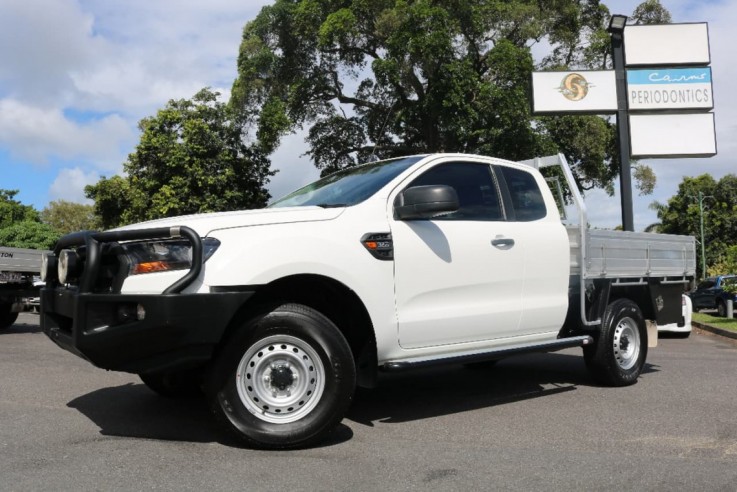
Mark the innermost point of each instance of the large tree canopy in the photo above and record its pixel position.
(381, 78)
(682, 214)
(192, 158)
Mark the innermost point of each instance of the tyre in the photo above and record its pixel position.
(284, 379)
(7, 318)
(721, 309)
(618, 354)
(174, 384)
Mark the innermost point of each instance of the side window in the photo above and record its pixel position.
(478, 195)
(527, 199)
(707, 284)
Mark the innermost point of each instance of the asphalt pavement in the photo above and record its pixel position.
(535, 422)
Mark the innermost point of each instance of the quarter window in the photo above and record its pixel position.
(527, 199)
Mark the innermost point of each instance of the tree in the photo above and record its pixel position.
(12, 211)
(651, 12)
(112, 199)
(682, 214)
(381, 78)
(67, 217)
(192, 158)
(29, 234)
(20, 225)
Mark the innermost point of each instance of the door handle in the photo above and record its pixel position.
(502, 242)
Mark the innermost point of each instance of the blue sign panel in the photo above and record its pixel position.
(670, 88)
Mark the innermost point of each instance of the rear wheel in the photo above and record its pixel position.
(284, 380)
(618, 355)
(7, 318)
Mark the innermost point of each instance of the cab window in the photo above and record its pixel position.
(478, 195)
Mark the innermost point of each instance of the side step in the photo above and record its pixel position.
(559, 344)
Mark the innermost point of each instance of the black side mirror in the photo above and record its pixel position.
(425, 202)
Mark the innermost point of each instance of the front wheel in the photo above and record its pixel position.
(618, 355)
(284, 380)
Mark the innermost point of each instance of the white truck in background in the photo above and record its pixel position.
(17, 269)
(277, 314)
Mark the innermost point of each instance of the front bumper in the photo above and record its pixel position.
(177, 331)
(135, 333)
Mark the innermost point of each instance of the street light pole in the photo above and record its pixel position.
(616, 29)
(701, 199)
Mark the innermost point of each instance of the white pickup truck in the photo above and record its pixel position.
(277, 314)
(18, 266)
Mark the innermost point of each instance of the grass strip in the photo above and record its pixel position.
(724, 323)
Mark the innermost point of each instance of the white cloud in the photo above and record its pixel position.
(37, 134)
(69, 185)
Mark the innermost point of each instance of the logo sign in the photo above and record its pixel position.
(582, 91)
(672, 135)
(670, 88)
(667, 44)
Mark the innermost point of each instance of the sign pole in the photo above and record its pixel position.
(623, 129)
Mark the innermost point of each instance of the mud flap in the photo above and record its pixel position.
(652, 334)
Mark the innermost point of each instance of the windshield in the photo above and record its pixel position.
(349, 186)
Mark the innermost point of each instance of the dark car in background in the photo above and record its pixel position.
(709, 294)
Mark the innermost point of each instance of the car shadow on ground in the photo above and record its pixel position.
(134, 411)
(443, 391)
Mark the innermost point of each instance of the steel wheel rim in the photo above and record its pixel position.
(626, 343)
(280, 379)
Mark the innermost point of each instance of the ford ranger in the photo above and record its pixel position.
(278, 314)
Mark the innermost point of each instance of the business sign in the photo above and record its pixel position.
(582, 91)
(670, 89)
(672, 135)
(666, 44)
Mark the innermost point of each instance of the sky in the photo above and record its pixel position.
(76, 76)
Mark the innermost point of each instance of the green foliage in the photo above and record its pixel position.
(726, 264)
(67, 217)
(20, 225)
(112, 200)
(681, 215)
(192, 158)
(651, 12)
(29, 234)
(383, 78)
(12, 211)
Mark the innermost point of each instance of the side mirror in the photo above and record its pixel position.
(425, 202)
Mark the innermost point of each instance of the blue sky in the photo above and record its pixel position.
(76, 76)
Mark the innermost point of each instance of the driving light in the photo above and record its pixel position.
(48, 267)
(68, 265)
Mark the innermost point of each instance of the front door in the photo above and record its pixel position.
(459, 277)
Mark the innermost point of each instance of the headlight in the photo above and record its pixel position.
(165, 255)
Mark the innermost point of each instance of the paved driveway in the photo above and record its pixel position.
(532, 423)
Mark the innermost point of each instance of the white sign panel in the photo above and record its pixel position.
(581, 91)
(672, 135)
(667, 44)
(670, 88)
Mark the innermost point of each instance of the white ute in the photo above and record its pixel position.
(277, 314)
